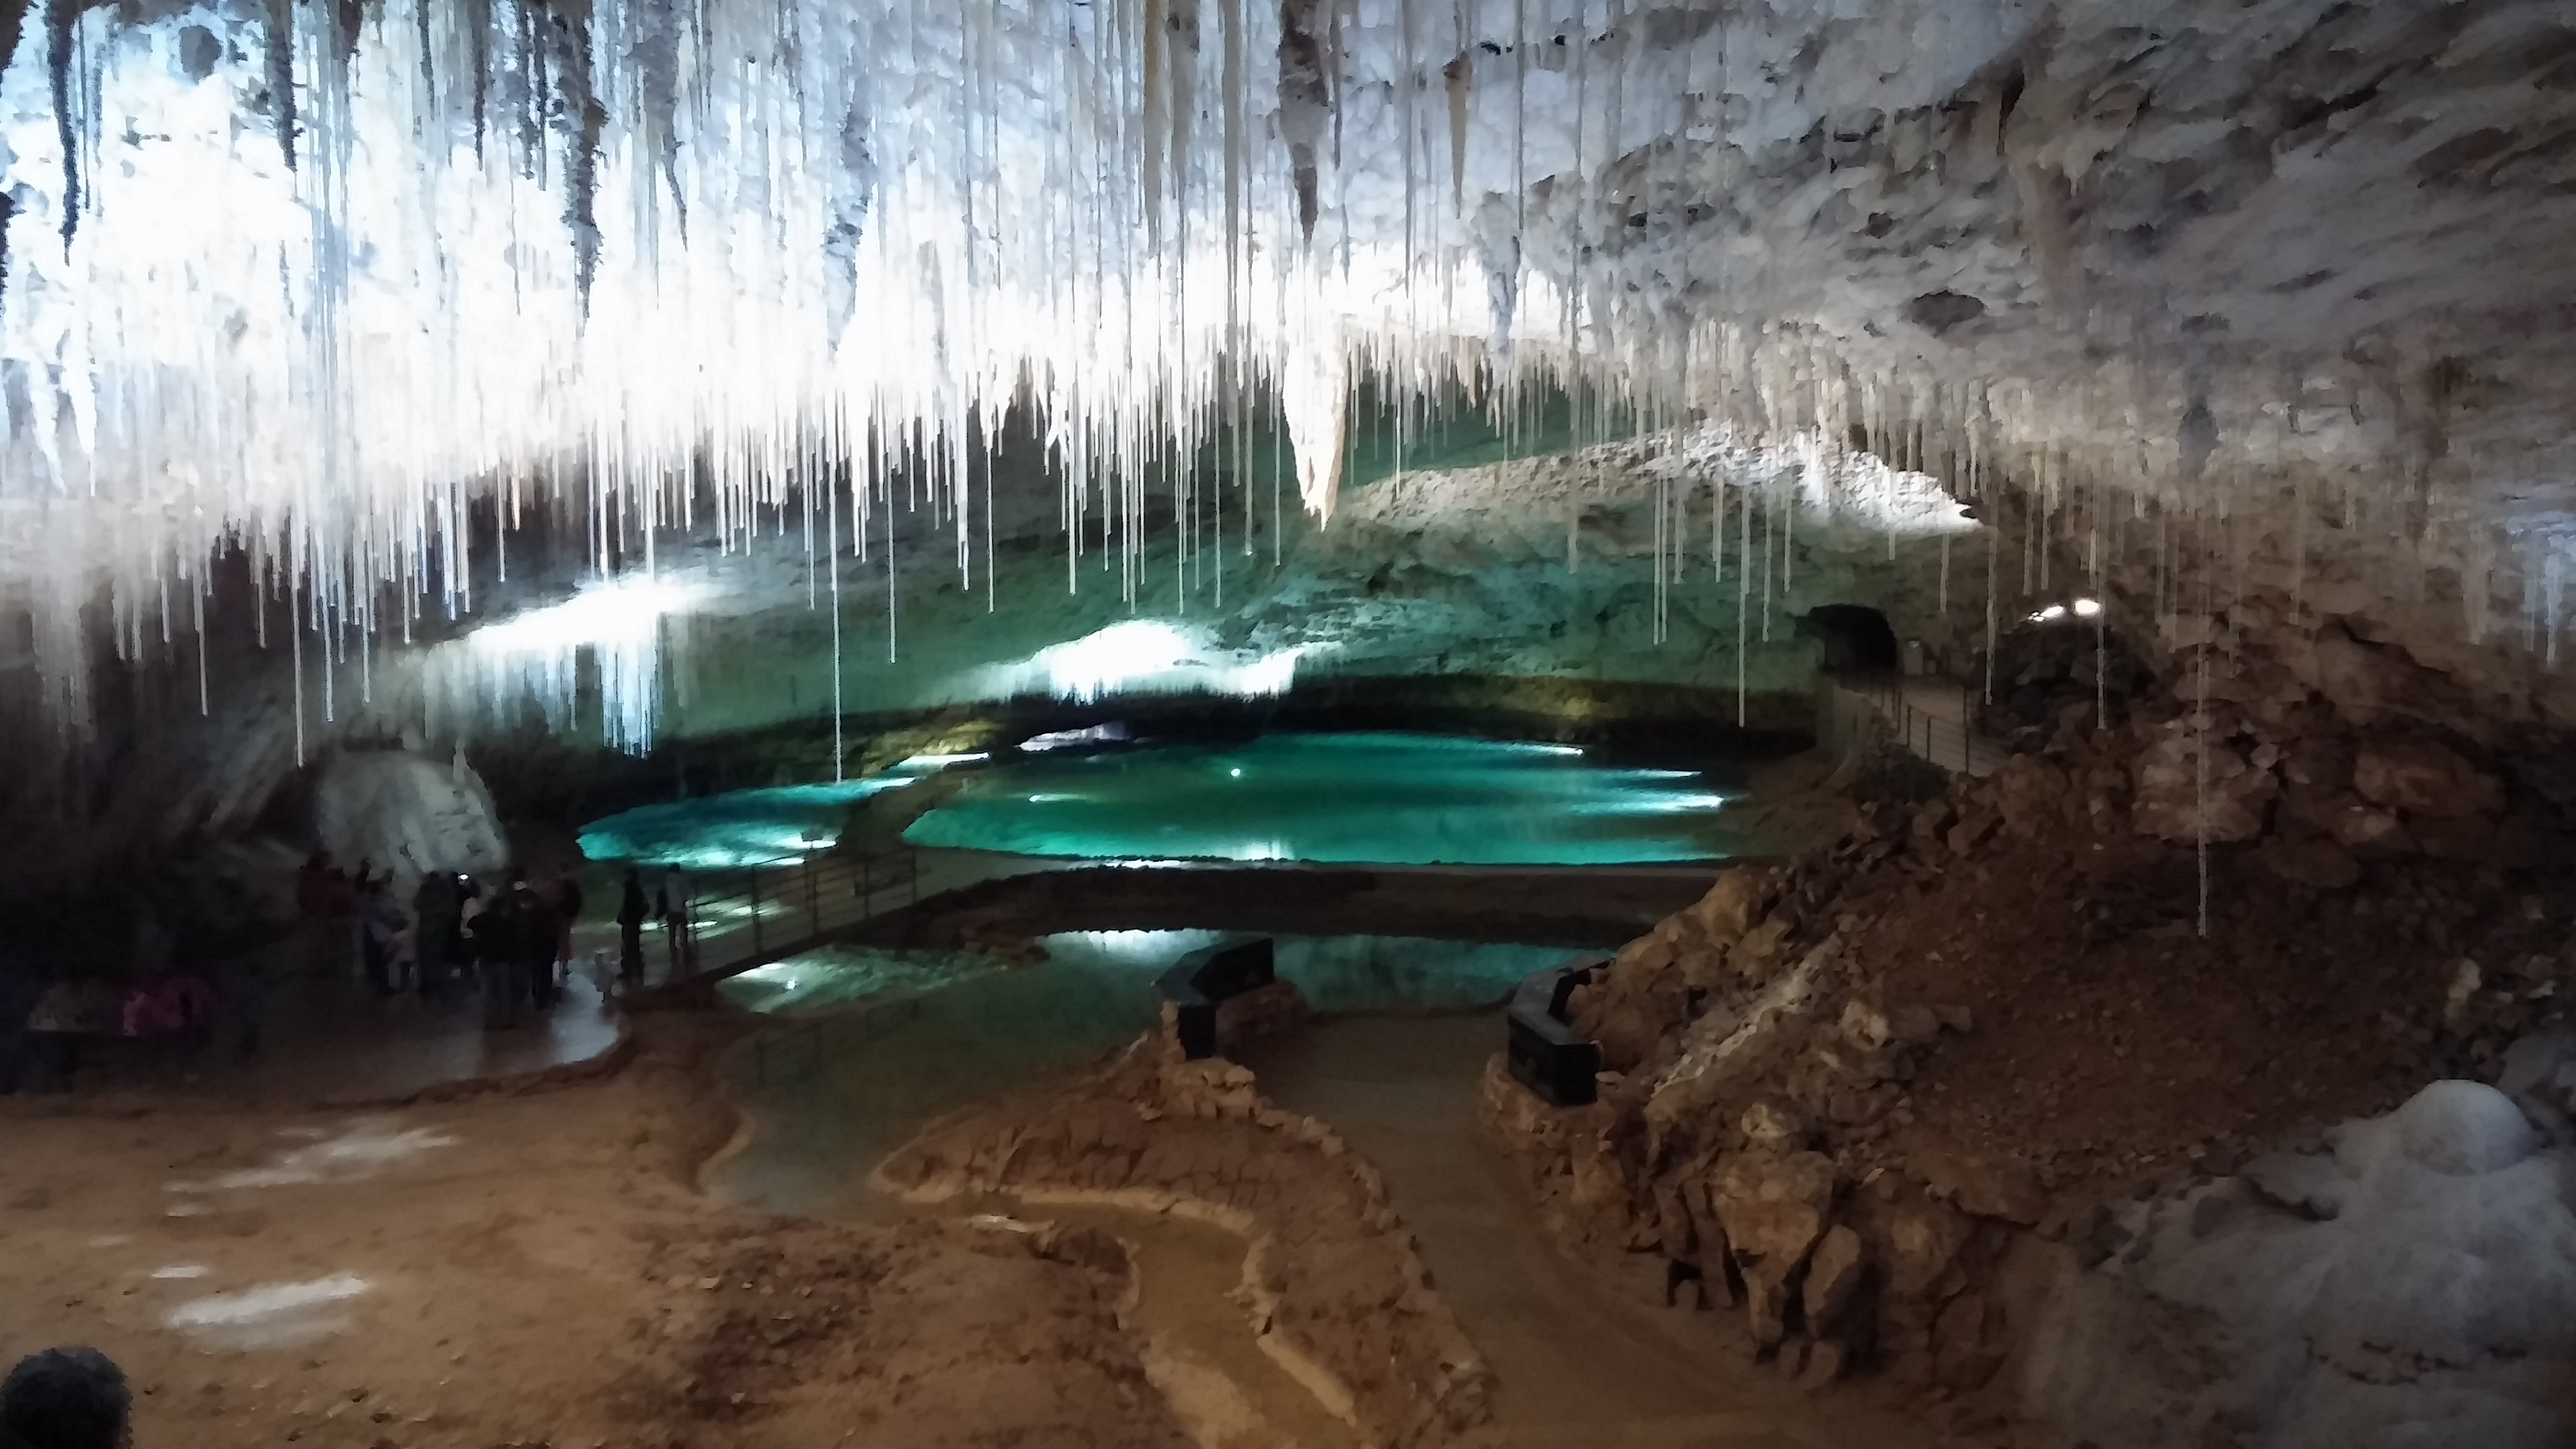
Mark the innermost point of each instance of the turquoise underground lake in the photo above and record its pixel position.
(1376, 799)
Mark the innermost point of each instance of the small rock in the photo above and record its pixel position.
(2210, 1212)
(1770, 1124)
(2311, 1186)
(1825, 1365)
(2465, 979)
(1866, 1025)
(1834, 1274)
(1914, 1025)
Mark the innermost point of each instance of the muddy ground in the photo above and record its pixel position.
(534, 1270)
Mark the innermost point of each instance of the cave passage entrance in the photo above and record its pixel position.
(1857, 640)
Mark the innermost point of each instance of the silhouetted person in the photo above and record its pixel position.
(633, 910)
(381, 926)
(536, 936)
(433, 912)
(67, 1398)
(675, 919)
(500, 946)
(563, 902)
(316, 898)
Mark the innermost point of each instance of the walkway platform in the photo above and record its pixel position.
(1931, 718)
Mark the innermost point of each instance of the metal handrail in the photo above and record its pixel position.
(734, 927)
(1951, 744)
(770, 1056)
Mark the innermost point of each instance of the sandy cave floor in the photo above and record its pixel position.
(537, 1269)
(526, 1270)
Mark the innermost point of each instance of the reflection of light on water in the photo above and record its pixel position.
(1132, 948)
(1336, 973)
(1661, 805)
(842, 975)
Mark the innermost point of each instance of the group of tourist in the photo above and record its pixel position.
(158, 1013)
(507, 943)
(510, 943)
(513, 942)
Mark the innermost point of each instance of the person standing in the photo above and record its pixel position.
(675, 920)
(433, 913)
(348, 921)
(381, 924)
(470, 905)
(56, 1026)
(19, 988)
(243, 985)
(536, 938)
(565, 902)
(499, 947)
(632, 911)
(314, 896)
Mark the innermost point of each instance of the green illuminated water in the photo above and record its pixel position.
(1383, 799)
(742, 827)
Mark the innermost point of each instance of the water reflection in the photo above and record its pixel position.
(1387, 799)
(887, 1040)
(1335, 973)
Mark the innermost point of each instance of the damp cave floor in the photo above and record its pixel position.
(1575, 1364)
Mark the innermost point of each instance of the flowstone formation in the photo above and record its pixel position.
(1873, 1100)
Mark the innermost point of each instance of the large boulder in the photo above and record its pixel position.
(2314, 862)
(2415, 1284)
(1834, 1276)
(1774, 1208)
(2426, 778)
(2174, 802)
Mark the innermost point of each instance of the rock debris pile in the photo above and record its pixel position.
(1840, 1095)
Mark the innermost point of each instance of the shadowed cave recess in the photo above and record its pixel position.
(1886, 678)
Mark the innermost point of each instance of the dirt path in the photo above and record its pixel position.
(1574, 1363)
(1200, 1350)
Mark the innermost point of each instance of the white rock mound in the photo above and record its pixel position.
(2412, 1285)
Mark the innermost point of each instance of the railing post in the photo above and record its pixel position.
(813, 902)
(755, 910)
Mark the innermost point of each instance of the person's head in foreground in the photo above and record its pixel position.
(66, 1398)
